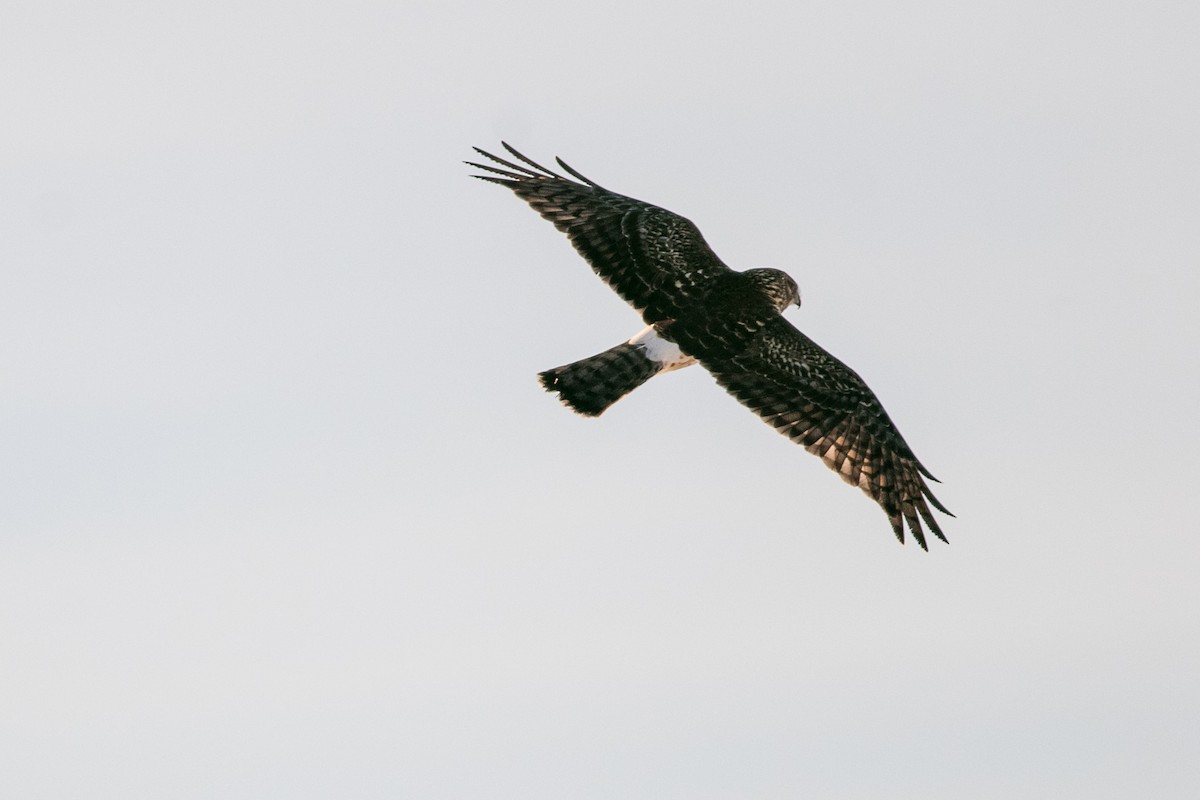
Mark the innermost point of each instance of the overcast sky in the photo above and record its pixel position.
(285, 513)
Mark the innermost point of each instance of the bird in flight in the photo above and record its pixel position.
(697, 309)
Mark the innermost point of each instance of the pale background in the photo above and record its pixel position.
(285, 515)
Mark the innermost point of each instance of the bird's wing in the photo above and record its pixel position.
(820, 403)
(655, 259)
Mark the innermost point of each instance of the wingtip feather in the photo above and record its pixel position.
(934, 528)
(576, 174)
(527, 160)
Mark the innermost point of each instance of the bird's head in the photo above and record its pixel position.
(777, 285)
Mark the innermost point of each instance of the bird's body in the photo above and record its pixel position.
(698, 310)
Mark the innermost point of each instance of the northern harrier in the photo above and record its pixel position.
(699, 310)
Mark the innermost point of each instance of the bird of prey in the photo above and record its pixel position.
(697, 309)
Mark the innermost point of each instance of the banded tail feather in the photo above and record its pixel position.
(591, 385)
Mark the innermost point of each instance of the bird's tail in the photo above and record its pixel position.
(593, 384)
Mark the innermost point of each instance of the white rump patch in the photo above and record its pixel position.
(661, 351)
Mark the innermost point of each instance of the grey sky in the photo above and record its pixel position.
(286, 514)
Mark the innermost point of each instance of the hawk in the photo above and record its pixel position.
(697, 309)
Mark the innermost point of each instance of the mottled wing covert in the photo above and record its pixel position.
(820, 403)
(655, 259)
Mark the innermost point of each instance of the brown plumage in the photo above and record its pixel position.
(698, 309)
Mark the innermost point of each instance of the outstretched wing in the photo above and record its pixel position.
(656, 260)
(820, 403)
